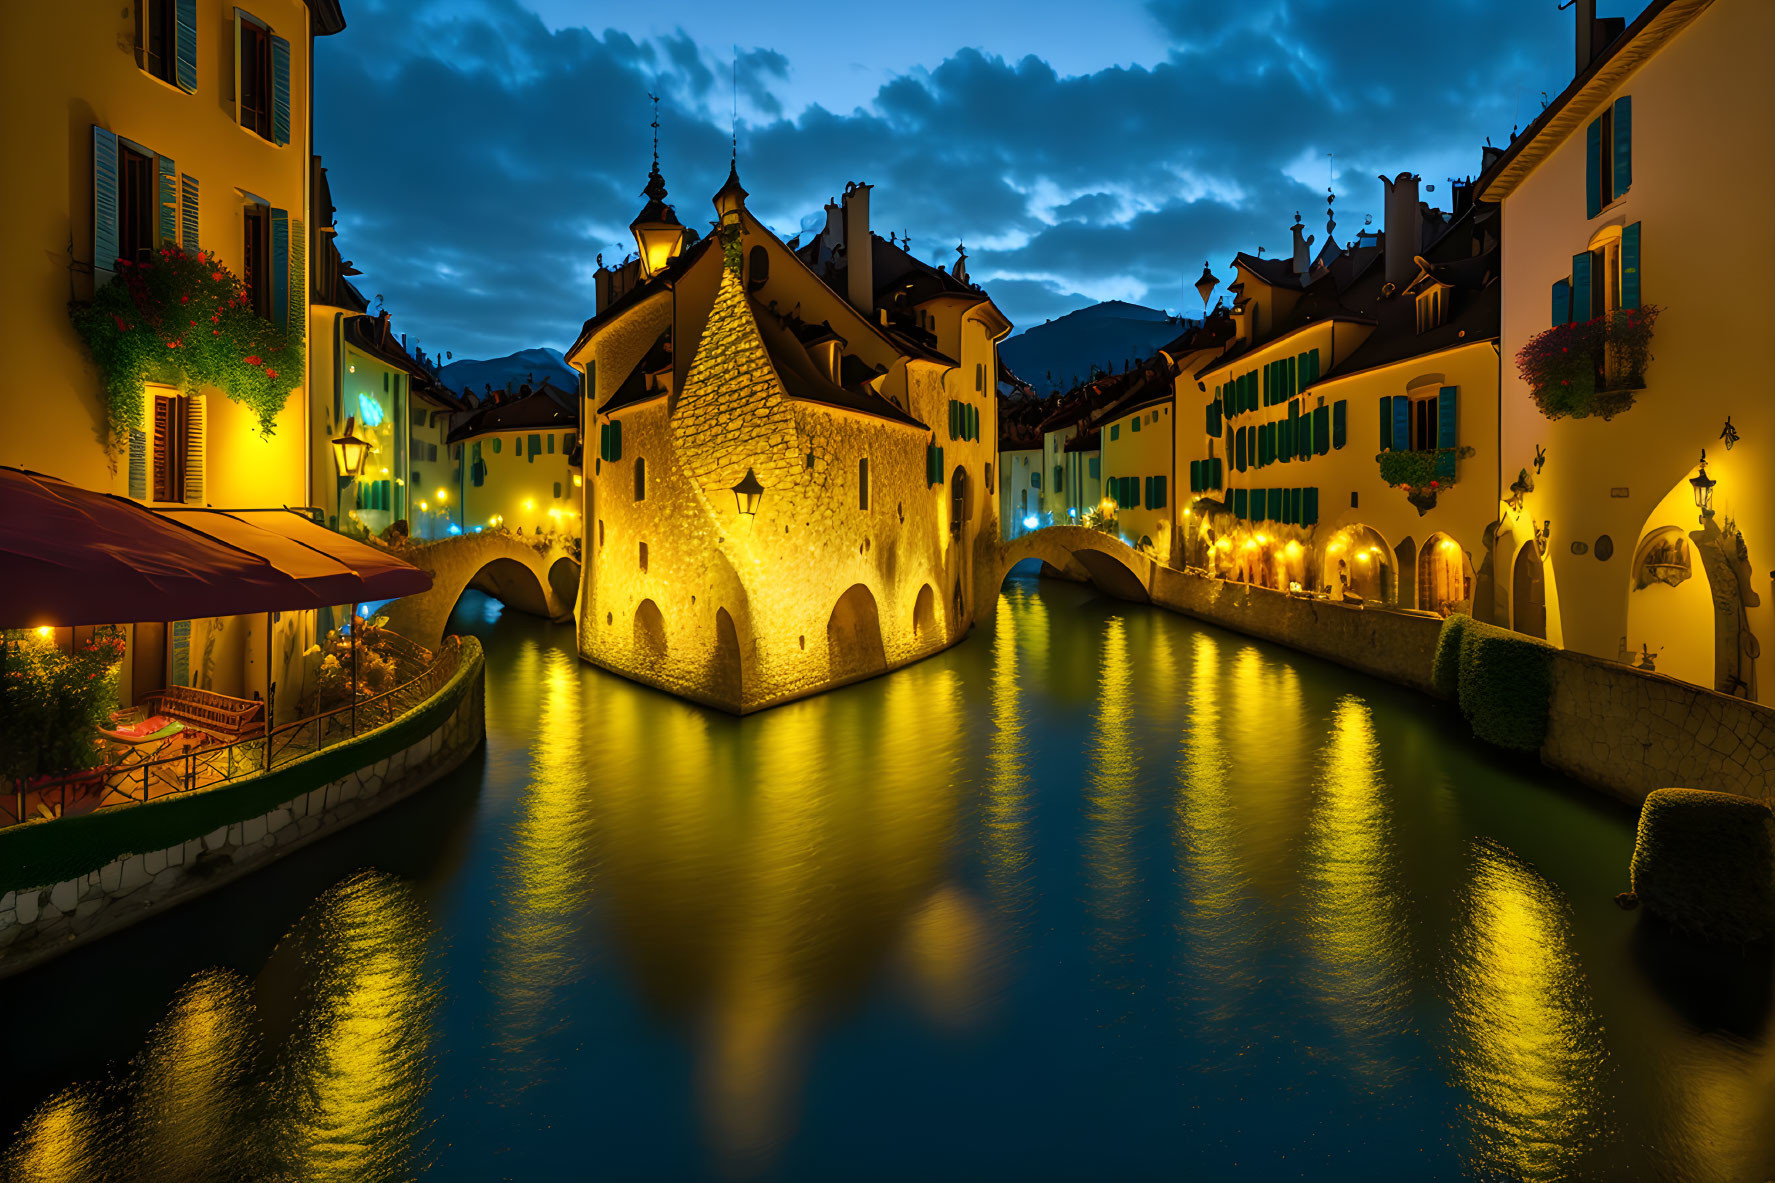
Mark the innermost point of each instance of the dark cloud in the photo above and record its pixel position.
(481, 161)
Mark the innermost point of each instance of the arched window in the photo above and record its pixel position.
(757, 268)
(640, 479)
(863, 483)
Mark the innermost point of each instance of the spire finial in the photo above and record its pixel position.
(735, 159)
(655, 126)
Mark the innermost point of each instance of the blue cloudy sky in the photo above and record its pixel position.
(483, 152)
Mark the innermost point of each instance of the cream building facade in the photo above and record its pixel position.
(789, 475)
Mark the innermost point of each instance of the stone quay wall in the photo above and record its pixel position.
(38, 923)
(1618, 729)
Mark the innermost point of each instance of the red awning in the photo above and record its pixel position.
(70, 556)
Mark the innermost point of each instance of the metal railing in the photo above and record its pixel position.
(131, 782)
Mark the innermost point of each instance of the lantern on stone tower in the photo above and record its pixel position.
(732, 197)
(658, 234)
(747, 494)
(1205, 286)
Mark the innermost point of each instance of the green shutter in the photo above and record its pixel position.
(1159, 499)
(1340, 415)
(188, 213)
(104, 199)
(280, 268)
(1195, 476)
(1137, 420)
(1630, 265)
(535, 446)
(1309, 507)
(1445, 467)
(1322, 430)
(297, 328)
(1581, 286)
(1386, 423)
(181, 654)
(1239, 502)
(168, 221)
(280, 90)
(1275, 509)
(1219, 478)
(1562, 302)
(1623, 162)
(1448, 432)
(1401, 423)
(1593, 168)
(185, 22)
(1313, 365)
(616, 439)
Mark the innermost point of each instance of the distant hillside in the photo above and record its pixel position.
(508, 373)
(1059, 354)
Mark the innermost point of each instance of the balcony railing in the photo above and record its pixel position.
(131, 782)
(1591, 367)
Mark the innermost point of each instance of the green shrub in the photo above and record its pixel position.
(51, 701)
(1445, 667)
(1705, 863)
(1505, 685)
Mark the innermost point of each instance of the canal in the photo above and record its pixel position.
(1099, 893)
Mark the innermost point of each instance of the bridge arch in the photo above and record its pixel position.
(542, 582)
(1077, 552)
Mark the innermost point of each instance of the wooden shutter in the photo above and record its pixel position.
(280, 268)
(1340, 415)
(104, 201)
(165, 425)
(185, 30)
(1386, 423)
(296, 326)
(1629, 262)
(138, 464)
(280, 90)
(196, 448)
(168, 222)
(188, 213)
(1401, 423)
(1562, 302)
(1581, 286)
(180, 666)
(1593, 168)
(1623, 162)
(1448, 432)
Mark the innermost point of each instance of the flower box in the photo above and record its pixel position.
(1590, 367)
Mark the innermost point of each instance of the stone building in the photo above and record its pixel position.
(789, 455)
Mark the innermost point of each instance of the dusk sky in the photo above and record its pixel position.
(483, 152)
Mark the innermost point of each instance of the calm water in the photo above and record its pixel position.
(1100, 893)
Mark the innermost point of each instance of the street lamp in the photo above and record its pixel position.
(349, 452)
(1205, 287)
(748, 493)
(1703, 486)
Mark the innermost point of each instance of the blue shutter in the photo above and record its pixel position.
(1445, 467)
(280, 90)
(104, 199)
(280, 268)
(1581, 286)
(1630, 264)
(1562, 302)
(168, 222)
(1623, 162)
(1593, 169)
(188, 213)
(1340, 415)
(185, 18)
(1448, 434)
(1401, 423)
(1386, 423)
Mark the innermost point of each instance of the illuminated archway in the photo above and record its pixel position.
(853, 635)
(650, 630)
(1405, 559)
(1528, 593)
(924, 613)
(1358, 562)
(1444, 577)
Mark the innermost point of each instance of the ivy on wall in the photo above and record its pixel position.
(184, 319)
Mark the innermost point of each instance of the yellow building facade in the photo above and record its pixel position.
(510, 461)
(789, 456)
(1137, 443)
(1606, 195)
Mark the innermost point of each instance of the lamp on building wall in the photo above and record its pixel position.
(748, 493)
(1703, 486)
(349, 452)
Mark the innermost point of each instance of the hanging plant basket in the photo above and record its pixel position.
(1592, 367)
(186, 320)
(1421, 475)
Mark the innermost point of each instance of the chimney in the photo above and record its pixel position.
(1404, 231)
(859, 252)
(1584, 11)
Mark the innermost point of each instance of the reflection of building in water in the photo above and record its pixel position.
(1352, 900)
(1529, 1051)
(189, 1111)
(1006, 833)
(752, 905)
(1111, 796)
(62, 1142)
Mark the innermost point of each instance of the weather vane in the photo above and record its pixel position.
(655, 126)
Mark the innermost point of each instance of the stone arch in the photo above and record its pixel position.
(564, 579)
(728, 674)
(1405, 561)
(924, 613)
(1444, 577)
(515, 573)
(512, 583)
(650, 630)
(1528, 592)
(853, 635)
(1358, 561)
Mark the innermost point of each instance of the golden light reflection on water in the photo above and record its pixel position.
(1263, 725)
(1110, 797)
(67, 1140)
(1530, 1053)
(1006, 837)
(190, 1110)
(1352, 899)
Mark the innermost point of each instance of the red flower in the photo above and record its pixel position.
(1435, 485)
(216, 319)
(193, 324)
(252, 359)
(184, 299)
(270, 373)
(215, 332)
(121, 327)
(216, 275)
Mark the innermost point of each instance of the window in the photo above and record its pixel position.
(1605, 278)
(1423, 424)
(169, 449)
(253, 52)
(757, 268)
(418, 417)
(135, 204)
(989, 486)
(157, 39)
(1432, 307)
(1094, 467)
(1115, 432)
(640, 479)
(256, 273)
(863, 483)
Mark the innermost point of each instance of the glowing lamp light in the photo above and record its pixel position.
(577, 480)
(529, 504)
(1293, 550)
(1031, 522)
(443, 496)
(349, 452)
(1703, 485)
(1450, 546)
(45, 631)
(423, 507)
(747, 494)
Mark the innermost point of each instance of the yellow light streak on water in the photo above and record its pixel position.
(1110, 804)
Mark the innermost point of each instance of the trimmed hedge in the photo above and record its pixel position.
(1705, 863)
(1445, 668)
(1503, 681)
(38, 854)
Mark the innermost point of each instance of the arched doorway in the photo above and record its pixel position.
(1405, 558)
(1444, 577)
(924, 613)
(1528, 593)
(650, 630)
(1357, 563)
(853, 635)
(727, 671)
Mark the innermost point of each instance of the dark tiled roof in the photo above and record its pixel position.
(805, 379)
(535, 411)
(634, 388)
(671, 272)
(1087, 441)
(326, 17)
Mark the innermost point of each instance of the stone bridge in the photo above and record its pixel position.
(521, 573)
(1076, 552)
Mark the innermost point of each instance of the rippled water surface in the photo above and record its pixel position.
(1100, 893)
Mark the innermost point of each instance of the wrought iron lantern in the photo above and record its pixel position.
(350, 453)
(1703, 486)
(748, 493)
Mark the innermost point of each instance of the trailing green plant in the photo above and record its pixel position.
(1445, 667)
(1705, 863)
(186, 320)
(1589, 367)
(1505, 685)
(1414, 472)
(50, 703)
